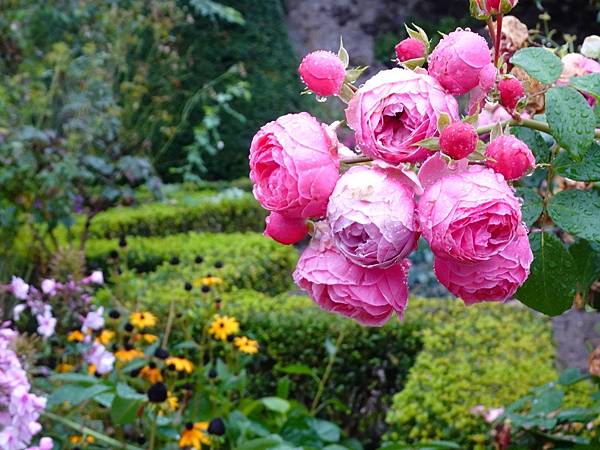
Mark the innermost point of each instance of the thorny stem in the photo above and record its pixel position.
(498, 39)
(88, 431)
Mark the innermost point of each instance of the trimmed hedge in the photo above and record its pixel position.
(227, 212)
(250, 260)
(487, 354)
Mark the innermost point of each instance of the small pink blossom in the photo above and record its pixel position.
(19, 288)
(94, 320)
(101, 358)
(322, 72)
(96, 277)
(46, 323)
(49, 287)
(285, 230)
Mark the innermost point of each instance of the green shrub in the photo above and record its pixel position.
(250, 260)
(227, 212)
(488, 354)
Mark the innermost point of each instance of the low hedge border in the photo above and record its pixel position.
(249, 260)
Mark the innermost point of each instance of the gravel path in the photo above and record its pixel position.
(576, 334)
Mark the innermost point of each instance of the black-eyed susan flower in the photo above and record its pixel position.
(142, 319)
(216, 427)
(105, 337)
(64, 368)
(180, 364)
(194, 435)
(223, 326)
(75, 336)
(157, 393)
(151, 373)
(172, 402)
(75, 439)
(91, 369)
(208, 281)
(245, 345)
(127, 355)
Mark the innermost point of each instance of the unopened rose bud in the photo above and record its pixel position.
(458, 140)
(509, 157)
(511, 91)
(410, 48)
(322, 72)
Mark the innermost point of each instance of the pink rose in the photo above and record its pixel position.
(410, 48)
(469, 213)
(492, 115)
(396, 109)
(369, 296)
(372, 216)
(294, 166)
(577, 65)
(322, 72)
(495, 279)
(285, 230)
(496, 6)
(510, 157)
(458, 60)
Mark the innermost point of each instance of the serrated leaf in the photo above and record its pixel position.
(532, 205)
(577, 212)
(541, 64)
(534, 141)
(587, 258)
(550, 287)
(588, 169)
(571, 120)
(587, 83)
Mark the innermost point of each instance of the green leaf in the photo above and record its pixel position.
(532, 205)
(261, 444)
(577, 212)
(276, 404)
(588, 169)
(534, 141)
(77, 378)
(541, 64)
(127, 392)
(433, 445)
(124, 410)
(587, 258)
(327, 431)
(550, 287)
(299, 369)
(548, 402)
(571, 120)
(571, 376)
(76, 394)
(587, 83)
(343, 54)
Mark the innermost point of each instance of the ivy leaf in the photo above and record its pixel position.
(541, 64)
(587, 83)
(588, 169)
(532, 205)
(577, 212)
(550, 287)
(571, 120)
(534, 141)
(587, 258)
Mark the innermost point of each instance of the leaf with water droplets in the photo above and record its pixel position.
(587, 258)
(541, 64)
(586, 170)
(532, 205)
(550, 287)
(587, 83)
(577, 212)
(571, 120)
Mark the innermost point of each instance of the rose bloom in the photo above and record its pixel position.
(591, 47)
(577, 65)
(396, 109)
(494, 279)
(294, 166)
(369, 296)
(458, 60)
(469, 214)
(372, 215)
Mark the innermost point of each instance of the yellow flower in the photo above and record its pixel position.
(75, 336)
(151, 373)
(246, 345)
(172, 402)
(180, 364)
(75, 439)
(150, 338)
(105, 337)
(208, 281)
(92, 369)
(194, 435)
(64, 368)
(142, 319)
(124, 355)
(223, 326)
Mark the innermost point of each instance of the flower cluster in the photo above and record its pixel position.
(367, 220)
(19, 408)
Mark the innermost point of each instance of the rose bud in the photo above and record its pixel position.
(396, 109)
(510, 157)
(494, 7)
(458, 140)
(410, 48)
(294, 166)
(322, 72)
(285, 230)
(511, 91)
(458, 60)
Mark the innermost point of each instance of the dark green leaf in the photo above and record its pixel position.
(550, 287)
(532, 205)
(327, 431)
(588, 83)
(571, 376)
(534, 141)
(548, 402)
(276, 404)
(261, 444)
(127, 392)
(587, 258)
(299, 369)
(76, 394)
(586, 170)
(577, 212)
(124, 410)
(541, 64)
(74, 378)
(571, 120)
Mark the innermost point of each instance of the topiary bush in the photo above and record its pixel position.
(249, 259)
(227, 212)
(487, 354)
